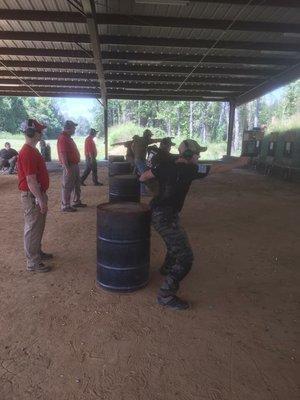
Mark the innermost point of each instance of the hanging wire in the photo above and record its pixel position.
(20, 79)
(216, 42)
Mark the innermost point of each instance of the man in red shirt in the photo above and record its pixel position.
(90, 151)
(69, 157)
(33, 183)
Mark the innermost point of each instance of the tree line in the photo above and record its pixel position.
(204, 121)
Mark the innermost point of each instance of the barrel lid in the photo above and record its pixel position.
(124, 207)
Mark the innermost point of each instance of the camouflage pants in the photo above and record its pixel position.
(179, 257)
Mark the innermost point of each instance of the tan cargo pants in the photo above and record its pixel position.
(33, 229)
(70, 186)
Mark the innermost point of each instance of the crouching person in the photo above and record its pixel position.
(174, 178)
(33, 184)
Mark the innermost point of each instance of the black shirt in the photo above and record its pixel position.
(8, 154)
(174, 182)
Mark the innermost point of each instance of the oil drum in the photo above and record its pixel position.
(123, 246)
(124, 188)
(119, 168)
(116, 159)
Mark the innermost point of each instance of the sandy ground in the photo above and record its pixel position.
(63, 339)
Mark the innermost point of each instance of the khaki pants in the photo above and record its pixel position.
(33, 229)
(70, 185)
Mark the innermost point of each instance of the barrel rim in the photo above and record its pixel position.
(143, 207)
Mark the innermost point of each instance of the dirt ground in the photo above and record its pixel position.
(63, 339)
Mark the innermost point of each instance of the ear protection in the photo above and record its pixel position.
(30, 131)
(188, 153)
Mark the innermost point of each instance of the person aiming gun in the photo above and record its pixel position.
(174, 179)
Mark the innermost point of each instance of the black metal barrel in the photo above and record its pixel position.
(123, 246)
(124, 188)
(119, 168)
(116, 159)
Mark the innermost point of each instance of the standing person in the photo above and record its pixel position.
(139, 148)
(69, 157)
(174, 179)
(8, 158)
(90, 151)
(33, 183)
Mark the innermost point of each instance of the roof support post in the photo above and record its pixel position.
(230, 126)
(105, 125)
(90, 11)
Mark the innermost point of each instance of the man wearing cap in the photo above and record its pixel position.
(8, 158)
(174, 180)
(139, 149)
(69, 157)
(33, 183)
(90, 151)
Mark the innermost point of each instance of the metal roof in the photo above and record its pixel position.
(206, 50)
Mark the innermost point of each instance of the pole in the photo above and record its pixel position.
(105, 127)
(230, 126)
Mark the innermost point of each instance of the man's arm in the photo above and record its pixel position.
(220, 168)
(64, 160)
(146, 176)
(35, 189)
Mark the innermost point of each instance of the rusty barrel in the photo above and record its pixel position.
(116, 159)
(123, 246)
(124, 188)
(119, 168)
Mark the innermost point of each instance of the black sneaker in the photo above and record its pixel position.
(40, 268)
(68, 209)
(46, 256)
(79, 205)
(173, 302)
(82, 184)
(98, 184)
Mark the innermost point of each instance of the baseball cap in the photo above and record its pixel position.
(192, 145)
(147, 132)
(93, 131)
(168, 142)
(32, 124)
(69, 124)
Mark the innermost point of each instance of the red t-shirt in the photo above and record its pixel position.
(65, 144)
(30, 162)
(90, 147)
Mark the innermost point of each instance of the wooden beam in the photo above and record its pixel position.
(230, 126)
(50, 89)
(49, 94)
(141, 56)
(90, 11)
(149, 41)
(188, 58)
(144, 20)
(87, 66)
(265, 3)
(173, 86)
(169, 92)
(139, 96)
(221, 80)
(275, 82)
(34, 52)
(196, 23)
(50, 75)
(49, 82)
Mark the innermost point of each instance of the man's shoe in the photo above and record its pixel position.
(98, 184)
(82, 184)
(40, 268)
(79, 205)
(68, 209)
(46, 256)
(173, 302)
